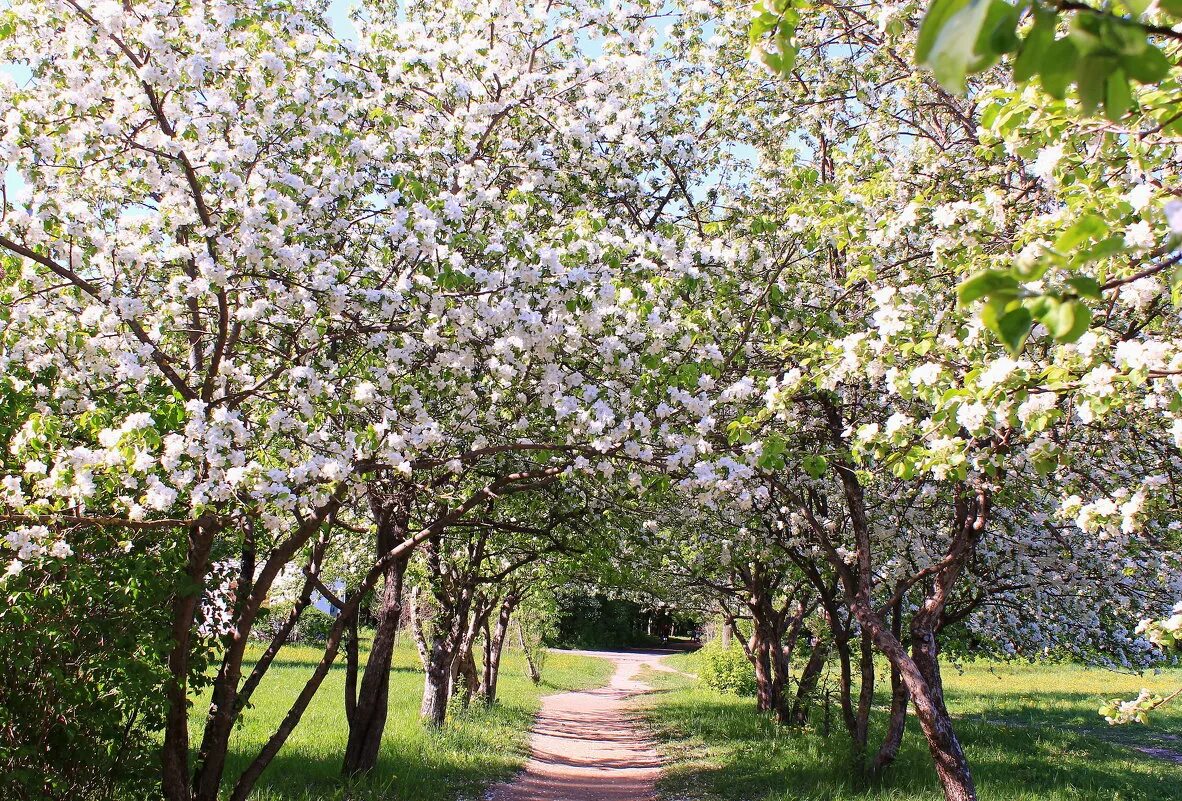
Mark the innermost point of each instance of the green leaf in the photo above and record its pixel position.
(1039, 305)
(1090, 226)
(1013, 327)
(1122, 37)
(948, 39)
(1117, 97)
(1085, 287)
(903, 468)
(1057, 67)
(1068, 321)
(999, 34)
(1173, 7)
(1148, 66)
(1035, 47)
(815, 466)
(984, 284)
(1091, 79)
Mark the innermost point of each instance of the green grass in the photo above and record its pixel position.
(477, 747)
(1032, 733)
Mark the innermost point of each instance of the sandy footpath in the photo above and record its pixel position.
(586, 746)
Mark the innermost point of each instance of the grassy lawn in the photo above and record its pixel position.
(477, 748)
(1031, 732)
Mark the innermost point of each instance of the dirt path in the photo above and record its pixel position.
(586, 746)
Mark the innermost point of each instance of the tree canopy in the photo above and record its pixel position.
(881, 343)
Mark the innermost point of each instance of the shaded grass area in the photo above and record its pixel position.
(477, 748)
(1032, 733)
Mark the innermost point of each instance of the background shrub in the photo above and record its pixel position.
(727, 670)
(314, 626)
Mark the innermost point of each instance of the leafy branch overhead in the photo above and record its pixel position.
(1101, 52)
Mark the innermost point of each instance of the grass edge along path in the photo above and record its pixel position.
(1032, 734)
(478, 748)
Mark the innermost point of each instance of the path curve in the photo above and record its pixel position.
(587, 746)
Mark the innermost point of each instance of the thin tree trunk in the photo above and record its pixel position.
(535, 675)
(845, 687)
(809, 678)
(352, 667)
(761, 659)
(780, 675)
(494, 646)
(865, 697)
(416, 627)
(174, 755)
(247, 779)
(486, 663)
(897, 723)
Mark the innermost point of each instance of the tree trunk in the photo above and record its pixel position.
(845, 686)
(247, 779)
(809, 677)
(761, 659)
(781, 669)
(947, 754)
(865, 697)
(899, 700)
(352, 667)
(436, 685)
(535, 674)
(464, 675)
(493, 647)
(369, 715)
(174, 755)
(390, 505)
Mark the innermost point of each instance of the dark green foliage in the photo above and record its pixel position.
(82, 670)
(315, 625)
(600, 622)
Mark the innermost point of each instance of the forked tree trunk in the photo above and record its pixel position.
(809, 678)
(920, 674)
(391, 512)
(465, 678)
(927, 699)
(781, 669)
(494, 643)
(368, 720)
